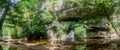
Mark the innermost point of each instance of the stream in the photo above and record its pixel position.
(96, 44)
(4, 47)
(99, 44)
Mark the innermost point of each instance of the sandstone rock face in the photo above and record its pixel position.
(98, 28)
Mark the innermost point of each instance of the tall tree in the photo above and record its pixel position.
(5, 6)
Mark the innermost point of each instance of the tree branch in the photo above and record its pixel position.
(113, 26)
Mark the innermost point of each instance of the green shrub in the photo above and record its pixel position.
(80, 31)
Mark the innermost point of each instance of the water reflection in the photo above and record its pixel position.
(99, 44)
(91, 44)
(80, 47)
(4, 47)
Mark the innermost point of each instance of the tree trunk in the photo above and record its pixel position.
(3, 12)
(71, 33)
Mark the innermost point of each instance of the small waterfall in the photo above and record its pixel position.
(52, 36)
(71, 34)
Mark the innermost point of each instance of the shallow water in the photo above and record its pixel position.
(4, 47)
(91, 45)
(99, 44)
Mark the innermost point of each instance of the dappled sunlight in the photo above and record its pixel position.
(59, 25)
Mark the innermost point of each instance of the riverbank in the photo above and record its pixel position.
(38, 45)
(45, 44)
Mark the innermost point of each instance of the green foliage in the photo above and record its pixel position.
(80, 31)
(4, 47)
(57, 27)
(3, 2)
(27, 21)
(35, 27)
(80, 47)
(62, 28)
(48, 17)
(99, 8)
(86, 9)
